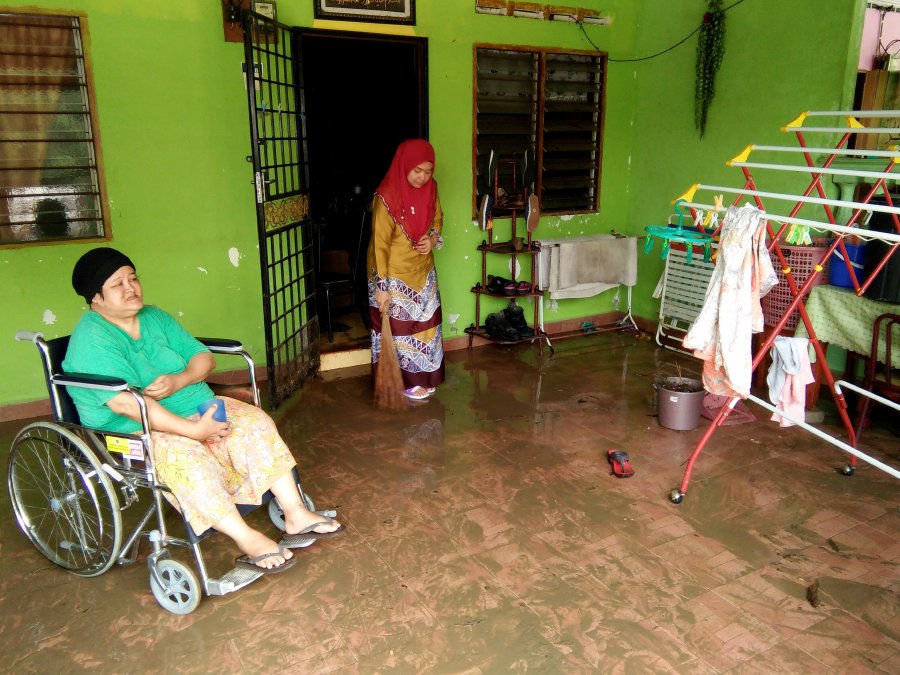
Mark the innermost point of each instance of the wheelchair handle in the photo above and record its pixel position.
(28, 336)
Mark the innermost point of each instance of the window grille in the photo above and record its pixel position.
(51, 184)
(550, 103)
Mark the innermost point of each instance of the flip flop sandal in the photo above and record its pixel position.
(411, 393)
(308, 534)
(532, 212)
(621, 465)
(430, 390)
(251, 563)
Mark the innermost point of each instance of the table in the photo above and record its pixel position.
(841, 318)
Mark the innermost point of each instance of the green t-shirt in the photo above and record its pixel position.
(101, 348)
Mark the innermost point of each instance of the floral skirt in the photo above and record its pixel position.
(208, 479)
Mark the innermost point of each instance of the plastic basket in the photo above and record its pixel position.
(801, 260)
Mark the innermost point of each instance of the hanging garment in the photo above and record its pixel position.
(788, 376)
(721, 335)
(582, 267)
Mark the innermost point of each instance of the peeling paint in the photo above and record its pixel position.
(567, 218)
(234, 256)
(515, 274)
(453, 318)
(203, 269)
(49, 317)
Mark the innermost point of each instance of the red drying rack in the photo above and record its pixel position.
(800, 281)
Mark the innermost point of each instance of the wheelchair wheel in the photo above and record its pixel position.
(181, 593)
(63, 500)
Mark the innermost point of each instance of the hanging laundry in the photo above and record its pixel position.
(788, 376)
(721, 335)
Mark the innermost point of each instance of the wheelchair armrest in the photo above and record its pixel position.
(88, 381)
(221, 346)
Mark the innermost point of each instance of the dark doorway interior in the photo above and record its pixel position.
(364, 94)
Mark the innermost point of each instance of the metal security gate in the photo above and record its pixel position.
(281, 176)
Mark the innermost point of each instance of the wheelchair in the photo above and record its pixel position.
(70, 485)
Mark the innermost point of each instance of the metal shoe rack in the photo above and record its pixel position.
(512, 205)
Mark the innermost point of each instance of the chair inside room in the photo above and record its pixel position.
(881, 377)
(336, 276)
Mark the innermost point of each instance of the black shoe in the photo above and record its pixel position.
(515, 316)
(499, 328)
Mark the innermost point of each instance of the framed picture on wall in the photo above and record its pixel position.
(377, 11)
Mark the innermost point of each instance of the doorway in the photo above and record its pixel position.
(364, 94)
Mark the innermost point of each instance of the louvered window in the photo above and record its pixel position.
(551, 104)
(51, 185)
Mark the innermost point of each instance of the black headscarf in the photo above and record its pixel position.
(94, 268)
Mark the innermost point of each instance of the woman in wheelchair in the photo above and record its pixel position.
(208, 465)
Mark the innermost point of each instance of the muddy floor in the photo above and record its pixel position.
(486, 535)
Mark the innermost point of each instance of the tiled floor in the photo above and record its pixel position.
(486, 535)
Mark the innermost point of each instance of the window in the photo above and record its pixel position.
(547, 102)
(51, 184)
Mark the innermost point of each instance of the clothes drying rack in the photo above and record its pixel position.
(792, 229)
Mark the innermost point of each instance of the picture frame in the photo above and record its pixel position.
(375, 11)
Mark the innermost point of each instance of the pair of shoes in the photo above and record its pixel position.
(484, 213)
(300, 539)
(501, 286)
(252, 563)
(523, 288)
(416, 393)
(532, 212)
(515, 316)
(499, 328)
(621, 465)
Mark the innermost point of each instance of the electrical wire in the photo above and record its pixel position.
(664, 51)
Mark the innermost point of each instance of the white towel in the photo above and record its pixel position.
(581, 267)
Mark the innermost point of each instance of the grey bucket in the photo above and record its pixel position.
(680, 410)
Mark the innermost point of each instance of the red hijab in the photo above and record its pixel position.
(411, 208)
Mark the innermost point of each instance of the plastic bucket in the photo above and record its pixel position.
(838, 274)
(680, 401)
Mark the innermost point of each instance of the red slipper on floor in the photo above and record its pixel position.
(621, 465)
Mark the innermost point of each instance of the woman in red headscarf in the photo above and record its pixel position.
(406, 228)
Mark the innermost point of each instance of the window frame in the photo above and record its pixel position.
(81, 32)
(479, 161)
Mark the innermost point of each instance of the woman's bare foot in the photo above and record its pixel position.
(258, 544)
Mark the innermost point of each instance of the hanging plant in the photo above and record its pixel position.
(710, 50)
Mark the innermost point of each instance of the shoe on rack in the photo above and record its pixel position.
(528, 170)
(492, 171)
(515, 317)
(484, 213)
(499, 328)
(523, 288)
(499, 285)
(532, 212)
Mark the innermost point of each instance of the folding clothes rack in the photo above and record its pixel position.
(792, 226)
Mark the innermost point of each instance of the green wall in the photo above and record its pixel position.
(174, 131)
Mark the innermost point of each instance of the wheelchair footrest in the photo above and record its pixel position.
(232, 581)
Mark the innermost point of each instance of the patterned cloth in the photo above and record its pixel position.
(207, 479)
(415, 309)
(721, 335)
(841, 318)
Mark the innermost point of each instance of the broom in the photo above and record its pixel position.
(388, 379)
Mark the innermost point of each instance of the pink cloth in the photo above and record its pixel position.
(792, 400)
